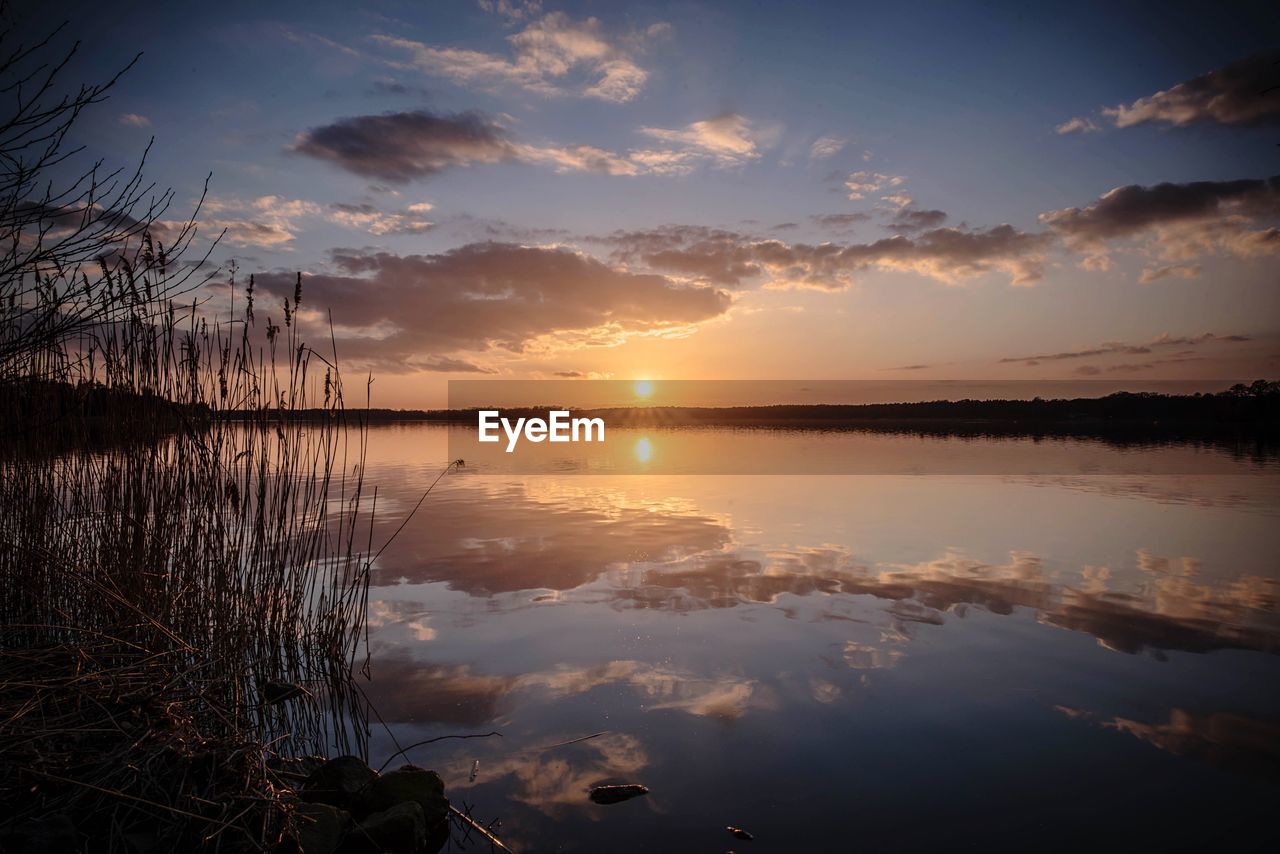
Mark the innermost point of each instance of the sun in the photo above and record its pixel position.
(643, 388)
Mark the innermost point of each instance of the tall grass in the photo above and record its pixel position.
(183, 581)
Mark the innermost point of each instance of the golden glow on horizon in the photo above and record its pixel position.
(643, 388)
(644, 450)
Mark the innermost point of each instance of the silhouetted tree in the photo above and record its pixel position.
(82, 246)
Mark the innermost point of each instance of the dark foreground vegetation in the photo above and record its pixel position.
(182, 598)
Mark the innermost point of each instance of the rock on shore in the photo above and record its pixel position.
(348, 808)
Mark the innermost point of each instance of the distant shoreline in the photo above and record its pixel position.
(1256, 411)
(1241, 411)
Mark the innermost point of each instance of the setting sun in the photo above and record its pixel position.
(644, 388)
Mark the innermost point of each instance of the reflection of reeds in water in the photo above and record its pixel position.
(181, 592)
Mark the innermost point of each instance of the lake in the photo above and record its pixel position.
(1003, 656)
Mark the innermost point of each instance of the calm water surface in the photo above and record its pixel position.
(879, 662)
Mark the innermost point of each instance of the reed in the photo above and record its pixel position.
(182, 593)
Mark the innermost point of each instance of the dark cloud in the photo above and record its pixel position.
(1233, 742)
(1180, 222)
(1120, 348)
(397, 309)
(392, 86)
(453, 366)
(840, 220)
(480, 229)
(909, 220)
(573, 375)
(708, 254)
(951, 254)
(1128, 210)
(398, 147)
(1242, 93)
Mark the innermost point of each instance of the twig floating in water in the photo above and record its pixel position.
(570, 741)
(405, 750)
(470, 822)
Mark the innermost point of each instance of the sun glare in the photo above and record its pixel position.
(643, 388)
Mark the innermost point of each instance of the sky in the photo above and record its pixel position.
(697, 190)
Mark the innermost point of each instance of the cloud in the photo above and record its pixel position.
(952, 254)
(135, 120)
(247, 233)
(554, 785)
(512, 11)
(398, 147)
(490, 296)
(665, 161)
(1077, 125)
(910, 219)
(1182, 221)
(392, 86)
(862, 184)
(452, 366)
(1172, 611)
(380, 223)
(722, 141)
(840, 220)
(267, 222)
(543, 536)
(1236, 743)
(274, 221)
(725, 698)
(472, 229)
(706, 254)
(1182, 271)
(553, 55)
(827, 146)
(320, 44)
(580, 158)
(728, 139)
(731, 259)
(1242, 93)
(1119, 347)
